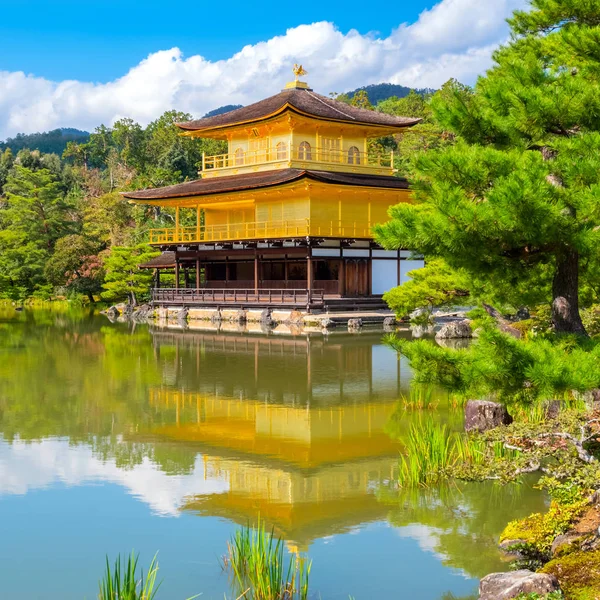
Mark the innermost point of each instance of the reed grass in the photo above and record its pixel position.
(429, 450)
(123, 582)
(260, 569)
(432, 450)
(420, 397)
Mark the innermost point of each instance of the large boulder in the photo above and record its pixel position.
(503, 586)
(455, 329)
(481, 415)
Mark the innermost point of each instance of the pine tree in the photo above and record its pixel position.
(516, 202)
(123, 278)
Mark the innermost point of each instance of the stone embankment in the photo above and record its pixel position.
(260, 319)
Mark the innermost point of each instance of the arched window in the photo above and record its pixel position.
(281, 150)
(239, 157)
(304, 151)
(353, 156)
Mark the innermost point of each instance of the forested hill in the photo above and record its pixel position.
(382, 91)
(48, 142)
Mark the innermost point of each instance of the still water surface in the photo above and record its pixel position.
(115, 437)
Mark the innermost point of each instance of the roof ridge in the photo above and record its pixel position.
(316, 97)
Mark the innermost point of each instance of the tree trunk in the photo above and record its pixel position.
(565, 294)
(91, 297)
(132, 298)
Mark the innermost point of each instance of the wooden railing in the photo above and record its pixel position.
(251, 230)
(240, 297)
(350, 156)
(260, 230)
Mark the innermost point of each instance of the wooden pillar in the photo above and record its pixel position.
(157, 278)
(342, 276)
(285, 270)
(197, 273)
(186, 277)
(177, 223)
(176, 273)
(198, 220)
(309, 276)
(255, 273)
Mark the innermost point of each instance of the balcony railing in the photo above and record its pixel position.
(245, 297)
(350, 157)
(259, 231)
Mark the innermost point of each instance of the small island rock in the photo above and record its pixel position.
(481, 415)
(455, 329)
(503, 586)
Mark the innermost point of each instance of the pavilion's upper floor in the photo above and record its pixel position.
(298, 129)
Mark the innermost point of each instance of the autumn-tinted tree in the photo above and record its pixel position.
(516, 200)
(75, 264)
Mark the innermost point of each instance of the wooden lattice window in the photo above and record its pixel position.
(353, 155)
(239, 157)
(281, 149)
(305, 151)
(331, 149)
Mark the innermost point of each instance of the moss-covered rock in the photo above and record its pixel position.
(578, 573)
(541, 529)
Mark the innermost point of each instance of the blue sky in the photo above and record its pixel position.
(101, 40)
(81, 64)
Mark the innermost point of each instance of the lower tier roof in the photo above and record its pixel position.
(263, 179)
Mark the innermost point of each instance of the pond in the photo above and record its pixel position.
(115, 437)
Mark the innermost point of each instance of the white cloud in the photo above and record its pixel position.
(28, 466)
(453, 39)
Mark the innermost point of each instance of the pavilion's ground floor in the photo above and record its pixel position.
(299, 273)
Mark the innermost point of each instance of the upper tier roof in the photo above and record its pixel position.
(250, 181)
(303, 101)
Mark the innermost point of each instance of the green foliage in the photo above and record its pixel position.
(578, 573)
(539, 530)
(510, 370)
(434, 453)
(259, 567)
(591, 319)
(124, 583)
(521, 185)
(432, 286)
(123, 278)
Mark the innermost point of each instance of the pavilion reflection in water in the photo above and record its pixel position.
(295, 425)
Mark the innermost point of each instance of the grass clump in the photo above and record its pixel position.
(429, 453)
(260, 571)
(433, 453)
(124, 583)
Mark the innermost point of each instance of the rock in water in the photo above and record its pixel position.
(455, 329)
(112, 312)
(481, 415)
(503, 586)
(354, 324)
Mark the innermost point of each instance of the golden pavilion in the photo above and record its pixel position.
(285, 217)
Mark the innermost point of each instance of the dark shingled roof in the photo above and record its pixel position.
(163, 261)
(251, 181)
(304, 101)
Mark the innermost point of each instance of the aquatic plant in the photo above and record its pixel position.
(124, 583)
(429, 451)
(420, 397)
(433, 452)
(257, 562)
